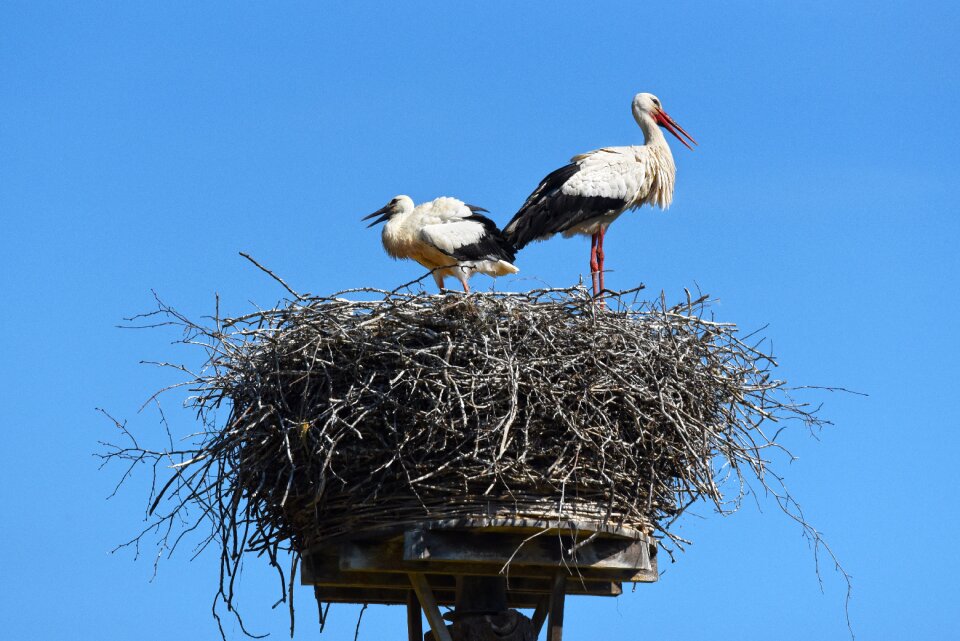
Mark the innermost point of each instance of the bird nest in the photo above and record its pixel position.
(370, 408)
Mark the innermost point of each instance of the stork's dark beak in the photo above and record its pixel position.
(383, 212)
(671, 125)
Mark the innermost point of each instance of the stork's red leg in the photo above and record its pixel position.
(594, 266)
(600, 255)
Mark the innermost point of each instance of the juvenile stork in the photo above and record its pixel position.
(587, 195)
(446, 236)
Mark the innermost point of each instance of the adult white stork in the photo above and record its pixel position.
(447, 236)
(587, 195)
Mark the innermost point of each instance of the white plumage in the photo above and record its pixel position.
(587, 195)
(446, 236)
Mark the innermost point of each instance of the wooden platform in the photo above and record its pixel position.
(595, 560)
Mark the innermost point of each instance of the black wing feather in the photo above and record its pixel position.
(549, 211)
(492, 245)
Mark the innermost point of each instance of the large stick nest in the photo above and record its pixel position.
(369, 409)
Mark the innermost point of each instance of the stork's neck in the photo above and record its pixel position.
(661, 168)
(652, 134)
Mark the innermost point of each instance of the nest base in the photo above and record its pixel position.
(376, 568)
(450, 562)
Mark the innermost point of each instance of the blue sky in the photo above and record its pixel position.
(143, 146)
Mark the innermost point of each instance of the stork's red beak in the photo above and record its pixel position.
(671, 125)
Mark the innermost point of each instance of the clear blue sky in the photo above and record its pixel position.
(142, 147)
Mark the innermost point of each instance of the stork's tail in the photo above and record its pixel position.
(502, 268)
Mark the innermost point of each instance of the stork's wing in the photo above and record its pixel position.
(594, 185)
(475, 237)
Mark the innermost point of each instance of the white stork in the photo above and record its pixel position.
(587, 195)
(446, 236)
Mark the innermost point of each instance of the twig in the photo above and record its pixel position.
(273, 276)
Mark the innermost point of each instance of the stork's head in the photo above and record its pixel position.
(647, 106)
(399, 205)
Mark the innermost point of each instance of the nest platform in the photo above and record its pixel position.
(535, 564)
(395, 441)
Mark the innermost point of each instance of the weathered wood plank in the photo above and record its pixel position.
(471, 547)
(380, 596)
(398, 596)
(326, 572)
(527, 526)
(425, 595)
(521, 525)
(370, 556)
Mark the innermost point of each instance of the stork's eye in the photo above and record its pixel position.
(656, 102)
